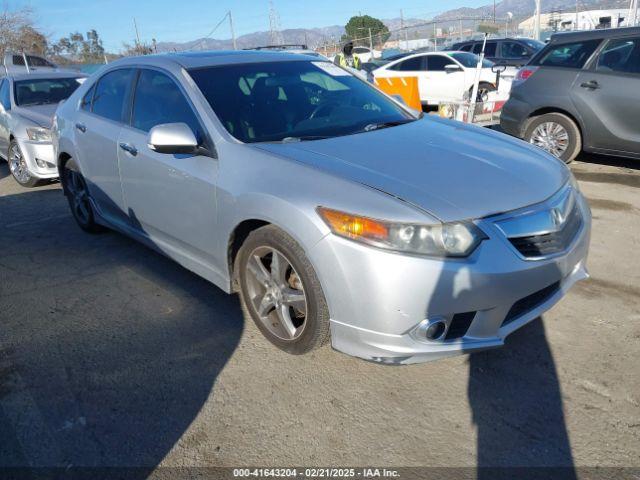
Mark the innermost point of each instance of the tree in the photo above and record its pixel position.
(76, 48)
(17, 33)
(358, 28)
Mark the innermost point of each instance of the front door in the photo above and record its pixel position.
(441, 84)
(606, 96)
(170, 198)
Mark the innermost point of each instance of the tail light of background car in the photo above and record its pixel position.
(523, 74)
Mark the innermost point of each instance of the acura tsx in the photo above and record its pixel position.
(332, 209)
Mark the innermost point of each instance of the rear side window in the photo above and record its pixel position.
(466, 48)
(514, 50)
(159, 100)
(620, 55)
(410, 65)
(5, 97)
(110, 94)
(567, 55)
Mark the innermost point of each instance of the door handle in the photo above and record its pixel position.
(591, 85)
(127, 147)
(81, 127)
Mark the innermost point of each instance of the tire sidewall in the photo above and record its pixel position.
(317, 315)
(575, 141)
(90, 225)
(33, 181)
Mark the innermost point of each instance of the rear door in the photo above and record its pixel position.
(607, 96)
(169, 198)
(98, 124)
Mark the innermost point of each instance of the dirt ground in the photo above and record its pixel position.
(111, 354)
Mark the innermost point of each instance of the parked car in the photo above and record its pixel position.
(504, 51)
(15, 63)
(580, 93)
(442, 76)
(27, 105)
(366, 54)
(330, 208)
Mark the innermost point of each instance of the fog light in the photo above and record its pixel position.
(432, 329)
(41, 163)
(435, 330)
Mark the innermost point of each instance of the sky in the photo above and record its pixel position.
(184, 20)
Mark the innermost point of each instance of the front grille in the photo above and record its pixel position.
(550, 243)
(459, 325)
(530, 302)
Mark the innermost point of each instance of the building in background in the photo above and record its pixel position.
(566, 21)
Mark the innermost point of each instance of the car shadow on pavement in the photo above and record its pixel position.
(108, 350)
(516, 402)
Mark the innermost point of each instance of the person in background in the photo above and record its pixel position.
(347, 58)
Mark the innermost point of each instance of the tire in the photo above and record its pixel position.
(483, 89)
(280, 316)
(18, 167)
(571, 147)
(75, 189)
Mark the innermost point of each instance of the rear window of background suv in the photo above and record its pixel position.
(566, 55)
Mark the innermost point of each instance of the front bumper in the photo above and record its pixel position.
(39, 158)
(377, 299)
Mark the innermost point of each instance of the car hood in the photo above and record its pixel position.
(451, 170)
(42, 115)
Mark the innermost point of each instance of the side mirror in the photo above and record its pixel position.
(451, 68)
(172, 138)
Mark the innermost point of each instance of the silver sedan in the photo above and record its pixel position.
(334, 211)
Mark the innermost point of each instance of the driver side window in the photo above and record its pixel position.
(159, 100)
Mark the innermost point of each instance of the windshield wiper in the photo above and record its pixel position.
(377, 126)
(303, 138)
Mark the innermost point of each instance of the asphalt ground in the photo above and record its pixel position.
(112, 355)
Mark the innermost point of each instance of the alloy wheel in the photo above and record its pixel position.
(552, 137)
(276, 293)
(18, 165)
(78, 196)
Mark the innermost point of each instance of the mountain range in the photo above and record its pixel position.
(314, 37)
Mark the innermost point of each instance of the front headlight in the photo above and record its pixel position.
(456, 239)
(39, 134)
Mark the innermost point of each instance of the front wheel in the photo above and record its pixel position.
(280, 291)
(19, 168)
(555, 133)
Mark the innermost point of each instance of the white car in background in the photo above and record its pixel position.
(442, 76)
(365, 54)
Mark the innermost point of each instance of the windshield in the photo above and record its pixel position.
(535, 44)
(44, 91)
(294, 100)
(470, 60)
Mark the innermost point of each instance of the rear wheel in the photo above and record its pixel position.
(555, 133)
(280, 291)
(19, 168)
(75, 189)
(483, 91)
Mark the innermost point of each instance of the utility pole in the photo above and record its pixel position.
(494, 12)
(536, 28)
(633, 13)
(435, 37)
(233, 32)
(406, 33)
(370, 42)
(575, 24)
(135, 26)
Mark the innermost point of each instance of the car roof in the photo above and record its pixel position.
(189, 60)
(43, 75)
(594, 34)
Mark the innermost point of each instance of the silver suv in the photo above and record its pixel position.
(330, 208)
(27, 104)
